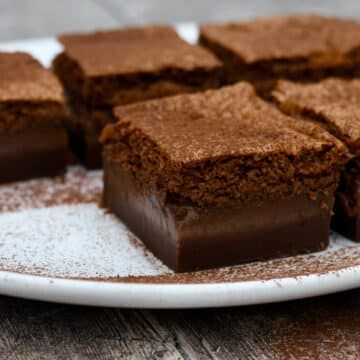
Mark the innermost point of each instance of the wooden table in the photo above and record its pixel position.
(321, 328)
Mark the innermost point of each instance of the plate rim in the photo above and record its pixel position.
(175, 296)
(104, 292)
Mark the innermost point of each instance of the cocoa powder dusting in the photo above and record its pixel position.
(54, 227)
(322, 263)
(221, 145)
(76, 186)
(285, 37)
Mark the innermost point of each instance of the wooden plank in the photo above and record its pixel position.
(322, 328)
(33, 330)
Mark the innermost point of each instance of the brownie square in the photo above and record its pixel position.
(32, 110)
(297, 47)
(220, 177)
(103, 69)
(334, 104)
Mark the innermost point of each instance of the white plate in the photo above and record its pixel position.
(56, 244)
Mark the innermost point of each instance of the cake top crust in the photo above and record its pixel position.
(229, 122)
(22, 78)
(286, 37)
(135, 50)
(334, 103)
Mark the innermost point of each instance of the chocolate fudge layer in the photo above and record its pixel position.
(335, 105)
(297, 47)
(220, 177)
(124, 66)
(32, 111)
(84, 127)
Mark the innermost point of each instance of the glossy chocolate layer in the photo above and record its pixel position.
(86, 147)
(32, 153)
(333, 104)
(188, 238)
(346, 219)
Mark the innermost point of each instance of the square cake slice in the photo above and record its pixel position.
(127, 65)
(103, 69)
(297, 47)
(220, 177)
(32, 111)
(335, 105)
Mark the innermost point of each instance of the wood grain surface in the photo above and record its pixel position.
(322, 328)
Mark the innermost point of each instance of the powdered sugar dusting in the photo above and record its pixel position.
(72, 241)
(76, 186)
(54, 227)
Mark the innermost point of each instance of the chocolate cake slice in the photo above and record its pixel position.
(32, 112)
(298, 47)
(335, 105)
(103, 69)
(220, 177)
